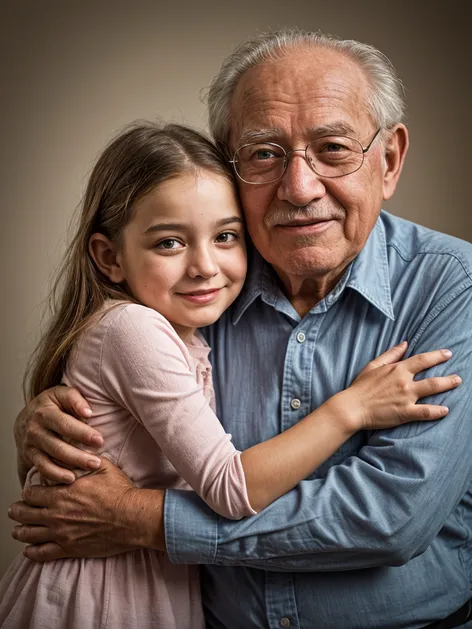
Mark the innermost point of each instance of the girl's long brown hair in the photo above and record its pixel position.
(137, 160)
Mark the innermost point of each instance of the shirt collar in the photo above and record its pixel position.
(253, 285)
(368, 275)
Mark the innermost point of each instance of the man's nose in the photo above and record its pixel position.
(300, 184)
(202, 263)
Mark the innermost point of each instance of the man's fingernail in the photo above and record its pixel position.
(87, 412)
(446, 353)
(97, 441)
(9, 512)
(68, 478)
(93, 464)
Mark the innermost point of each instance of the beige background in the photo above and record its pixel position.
(74, 71)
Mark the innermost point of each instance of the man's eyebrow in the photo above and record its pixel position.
(333, 128)
(160, 227)
(275, 134)
(259, 135)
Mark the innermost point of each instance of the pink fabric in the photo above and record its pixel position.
(153, 401)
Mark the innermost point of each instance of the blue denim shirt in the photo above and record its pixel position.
(379, 537)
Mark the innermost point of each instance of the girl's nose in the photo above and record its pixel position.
(203, 264)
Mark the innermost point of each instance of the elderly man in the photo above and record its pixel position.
(380, 537)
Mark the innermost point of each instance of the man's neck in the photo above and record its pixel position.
(305, 292)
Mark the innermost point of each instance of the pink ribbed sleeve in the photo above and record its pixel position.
(147, 368)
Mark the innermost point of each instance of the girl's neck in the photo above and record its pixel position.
(185, 333)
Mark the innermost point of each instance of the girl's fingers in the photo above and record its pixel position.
(420, 362)
(439, 384)
(392, 355)
(427, 412)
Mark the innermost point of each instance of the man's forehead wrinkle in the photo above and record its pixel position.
(318, 83)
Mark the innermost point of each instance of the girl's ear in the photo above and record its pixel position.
(104, 254)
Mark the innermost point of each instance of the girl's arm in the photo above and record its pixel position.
(144, 369)
(383, 395)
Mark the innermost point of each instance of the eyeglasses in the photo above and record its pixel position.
(329, 156)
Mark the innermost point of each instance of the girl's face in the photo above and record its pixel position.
(183, 252)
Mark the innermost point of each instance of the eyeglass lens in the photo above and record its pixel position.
(332, 156)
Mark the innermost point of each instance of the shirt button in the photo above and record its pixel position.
(295, 403)
(285, 622)
(301, 338)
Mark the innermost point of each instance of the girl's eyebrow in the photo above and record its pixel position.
(228, 220)
(159, 227)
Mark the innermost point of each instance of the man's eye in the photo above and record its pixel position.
(264, 154)
(332, 147)
(333, 144)
(261, 153)
(226, 237)
(169, 243)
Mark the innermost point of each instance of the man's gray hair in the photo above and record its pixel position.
(385, 102)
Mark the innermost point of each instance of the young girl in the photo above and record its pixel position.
(160, 252)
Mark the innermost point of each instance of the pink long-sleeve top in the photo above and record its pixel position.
(143, 381)
(152, 400)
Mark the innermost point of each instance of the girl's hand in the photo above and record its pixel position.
(385, 393)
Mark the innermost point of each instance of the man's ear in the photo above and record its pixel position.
(395, 153)
(105, 256)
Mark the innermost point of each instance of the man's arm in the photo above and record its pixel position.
(381, 507)
(37, 429)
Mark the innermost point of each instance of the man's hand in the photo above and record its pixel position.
(99, 515)
(36, 435)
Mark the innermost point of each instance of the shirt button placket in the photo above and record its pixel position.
(280, 601)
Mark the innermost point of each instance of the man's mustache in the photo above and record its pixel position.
(310, 212)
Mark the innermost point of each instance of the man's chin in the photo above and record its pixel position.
(310, 261)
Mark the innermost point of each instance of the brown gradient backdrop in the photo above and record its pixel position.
(74, 71)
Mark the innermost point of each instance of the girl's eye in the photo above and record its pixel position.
(226, 237)
(169, 243)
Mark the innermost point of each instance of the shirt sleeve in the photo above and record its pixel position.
(146, 369)
(381, 507)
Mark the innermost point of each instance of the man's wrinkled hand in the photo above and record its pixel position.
(55, 413)
(99, 515)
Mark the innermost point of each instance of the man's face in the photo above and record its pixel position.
(306, 225)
